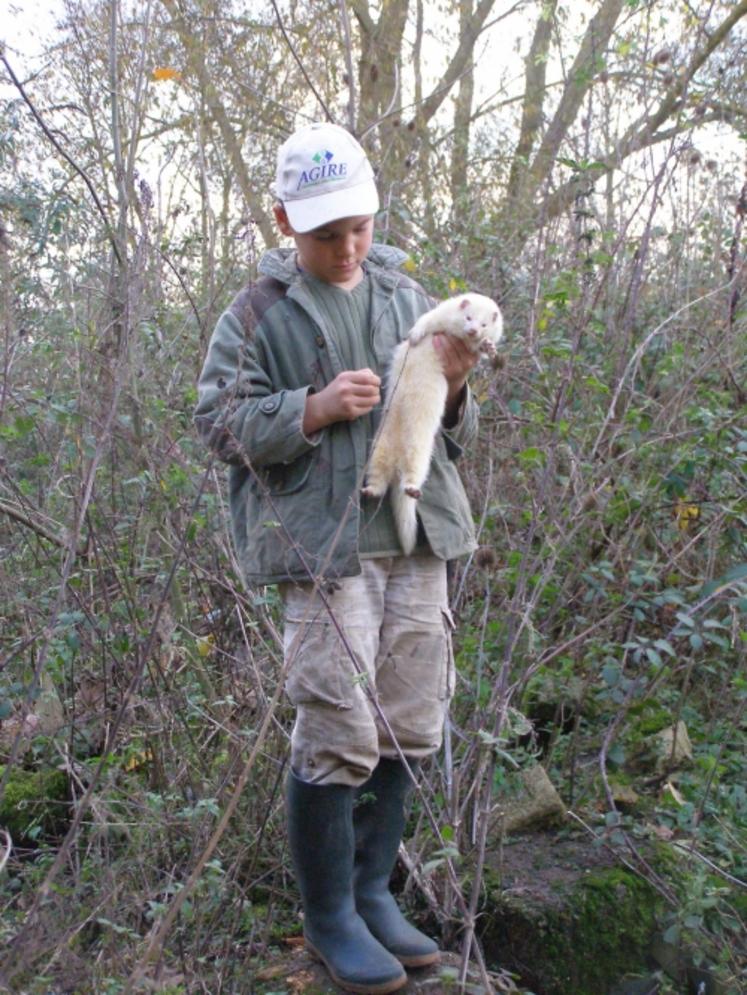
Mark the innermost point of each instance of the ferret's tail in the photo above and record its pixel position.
(405, 518)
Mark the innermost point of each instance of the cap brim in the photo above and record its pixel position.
(308, 213)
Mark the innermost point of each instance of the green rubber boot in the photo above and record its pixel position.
(320, 833)
(379, 821)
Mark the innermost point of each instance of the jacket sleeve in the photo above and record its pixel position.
(460, 436)
(239, 413)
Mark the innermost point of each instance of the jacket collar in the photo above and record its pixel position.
(383, 260)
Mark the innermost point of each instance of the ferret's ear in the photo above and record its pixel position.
(495, 316)
(464, 304)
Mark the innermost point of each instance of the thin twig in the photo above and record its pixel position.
(300, 64)
(68, 159)
(33, 523)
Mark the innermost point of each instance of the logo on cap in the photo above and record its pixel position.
(325, 171)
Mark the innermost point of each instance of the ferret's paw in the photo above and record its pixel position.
(488, 348)
(371, 492)
(412, 491)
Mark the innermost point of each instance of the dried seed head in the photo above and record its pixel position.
(485, 558)
(590, 502)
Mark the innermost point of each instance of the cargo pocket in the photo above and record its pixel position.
(413, 686)
(320, 671)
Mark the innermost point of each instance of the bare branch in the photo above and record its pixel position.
(299, 63)
(535, 89)
(24, 517)
(580, 78)
(68, 159)
(638, 133)
(347, 35)
(459, 61)
(218, 112)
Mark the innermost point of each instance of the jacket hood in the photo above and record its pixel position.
(280, 264)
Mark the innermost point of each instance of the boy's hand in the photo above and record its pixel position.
(457, 359)
(351, 394)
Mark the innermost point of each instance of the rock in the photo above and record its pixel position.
(296, 973)
(663, 751)
(48, 708)
(46, 719)
(565, 917)
(25, 727)
(673, 747)
(648, 985)
(677, 961)
(534, 804)
(624, 796)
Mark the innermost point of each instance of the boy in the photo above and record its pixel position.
(290, 395)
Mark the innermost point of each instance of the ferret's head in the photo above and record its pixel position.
(482, 319)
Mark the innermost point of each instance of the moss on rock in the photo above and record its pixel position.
(33, 802)
(580, 931)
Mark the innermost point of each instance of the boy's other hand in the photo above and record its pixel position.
(457, 359)
(351, 394)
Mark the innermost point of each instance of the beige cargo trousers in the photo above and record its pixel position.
(393, 620)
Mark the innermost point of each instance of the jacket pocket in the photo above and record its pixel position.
(287, 478)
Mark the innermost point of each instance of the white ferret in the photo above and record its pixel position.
(415, 399)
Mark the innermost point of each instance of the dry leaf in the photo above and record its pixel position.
(670, 789)
(161, 73)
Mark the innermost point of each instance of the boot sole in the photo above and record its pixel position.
(351, 986)
(420, 960)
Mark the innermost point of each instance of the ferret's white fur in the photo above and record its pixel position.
(415, 399)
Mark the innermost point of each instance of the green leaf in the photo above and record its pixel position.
(532, 456)
(611, 674)
(732, 576)
(738, 572)
(653, 656)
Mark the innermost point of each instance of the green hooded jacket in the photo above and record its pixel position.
(294, 500)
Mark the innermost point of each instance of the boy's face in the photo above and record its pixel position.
(334, 252)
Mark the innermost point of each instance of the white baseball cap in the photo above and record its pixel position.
(323, 175)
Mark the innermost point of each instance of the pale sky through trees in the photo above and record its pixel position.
(31, 26)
